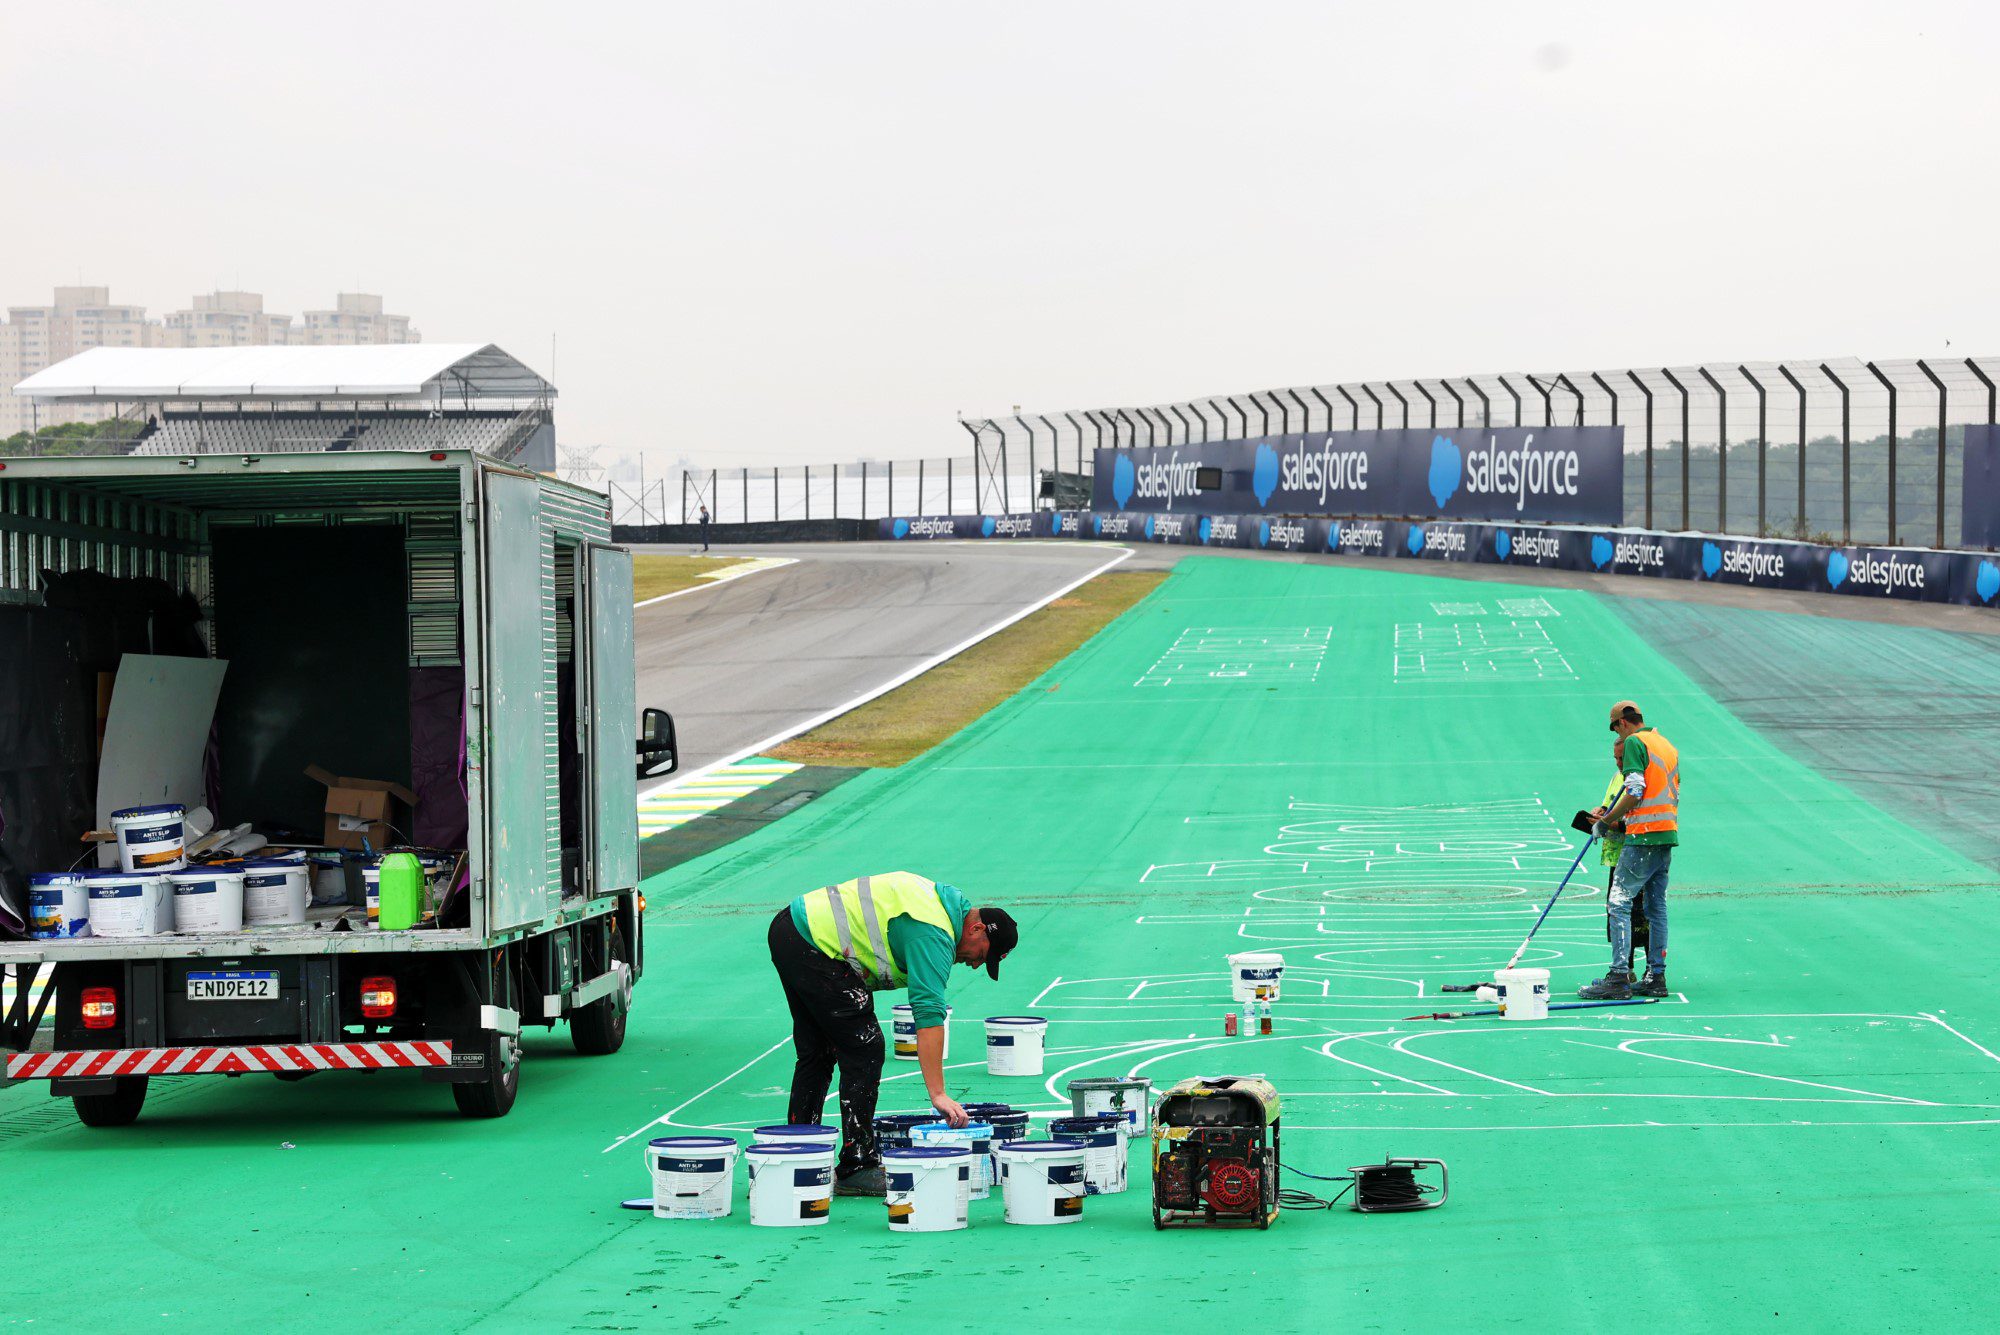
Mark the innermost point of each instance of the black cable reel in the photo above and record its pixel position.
(1389, 1187)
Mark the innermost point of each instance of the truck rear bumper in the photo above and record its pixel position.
(383, 1056)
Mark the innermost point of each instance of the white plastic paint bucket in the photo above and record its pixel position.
(1103, 1141)
(974, 1136)
(1254, 969)
(274, 893)
(125, 904)
(208, 900)
(1041, 1181)
(329, 878)
(929, 1186)
(1523, 992)
(694, 1177)
(371, 881)
(1014, 1044)
(152, 838)
(892, 1130)
(58, 906)
(791, 1185)
(903, 1031)
(1131, 1097)
(796, 1134)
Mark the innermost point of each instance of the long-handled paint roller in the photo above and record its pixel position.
(1559, 1006)
(1581, 821)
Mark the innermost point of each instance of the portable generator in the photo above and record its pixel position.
(1215, 1153)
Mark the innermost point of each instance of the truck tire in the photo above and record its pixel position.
(493, 1094)
(598, 1029)
(118, 1108)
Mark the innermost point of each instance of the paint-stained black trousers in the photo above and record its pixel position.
(833, 1023)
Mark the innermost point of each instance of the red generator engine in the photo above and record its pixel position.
(1215, 1153)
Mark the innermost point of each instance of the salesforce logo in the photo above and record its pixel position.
(1748, 564)
(986, 527)
(1865, 569)
(1264, 476)
(1635, 552)
(1010, 526)
(1519, 472)
(1446, 469)
(1415, 541)
(1356, 537)
(1601, 551)
(900, 529)
(1317, 473)
(1201, 531)
(1165, 528)
(1168, 480)
(1055, 523)
(1122, 480)
(1113, 526)
(930, 528)
(1220, 530)
(1288, 534)
(1533, 547)
(1711, 560)
(1987, 582)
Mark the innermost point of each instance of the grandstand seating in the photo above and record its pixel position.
(301, 432)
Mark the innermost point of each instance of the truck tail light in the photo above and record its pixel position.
(378, 997)
(100, 1007)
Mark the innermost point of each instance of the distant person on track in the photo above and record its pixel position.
(1649, 806)
(833, 947)
(704, 528)
(1613, 844)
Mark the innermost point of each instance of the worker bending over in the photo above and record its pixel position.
(1650, 808)
(835, 946)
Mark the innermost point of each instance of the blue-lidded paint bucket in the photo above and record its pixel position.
(929, 1186)
(1042, 1181)
(1103, 1140)
(1014, 1044)
(892, 1130)
(207, 900)
(974, 1136)
(694, 1177)
(791, 1184)
(152, 838)
(274, 892)
(129, 904)
(58, 905)
(796, 1134)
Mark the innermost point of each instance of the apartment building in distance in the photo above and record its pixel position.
(80, 318)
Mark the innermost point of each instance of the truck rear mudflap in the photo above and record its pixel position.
(260, 1057)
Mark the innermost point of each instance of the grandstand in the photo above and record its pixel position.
(270, 400)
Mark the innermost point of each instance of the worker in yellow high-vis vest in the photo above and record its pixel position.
(835, 946)
(1649, 805)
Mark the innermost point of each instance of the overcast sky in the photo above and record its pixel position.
(778, 233)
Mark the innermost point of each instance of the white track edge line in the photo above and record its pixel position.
(776, 563)
(1124, 553)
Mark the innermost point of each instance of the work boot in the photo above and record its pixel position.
(862, 1182)
(1652, 985)
(1614, 986)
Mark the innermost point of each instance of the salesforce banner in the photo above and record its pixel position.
(1538, 474)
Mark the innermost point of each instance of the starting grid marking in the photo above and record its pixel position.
(1518, 650)
(1236, 655)
(676, 804)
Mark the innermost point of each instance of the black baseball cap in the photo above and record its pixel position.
(1001, 936)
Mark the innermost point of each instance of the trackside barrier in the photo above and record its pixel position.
(1907, 573)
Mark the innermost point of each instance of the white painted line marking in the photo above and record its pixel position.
(666, 1116)
(733, 573)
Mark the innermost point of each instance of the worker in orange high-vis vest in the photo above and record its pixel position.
(1650, 807)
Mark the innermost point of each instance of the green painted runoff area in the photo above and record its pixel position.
(1371, 772)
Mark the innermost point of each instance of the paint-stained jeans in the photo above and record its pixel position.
(1641, 878)
(833, 1023)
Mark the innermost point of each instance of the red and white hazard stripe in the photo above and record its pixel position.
(229, 1061)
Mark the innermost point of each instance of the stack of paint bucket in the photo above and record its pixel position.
(1103, 1138)
(975, 1137)
(791, 1175)
(892, 1130)
(58, 905)
(1008, 1123)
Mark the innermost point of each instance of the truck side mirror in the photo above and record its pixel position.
(659, 753)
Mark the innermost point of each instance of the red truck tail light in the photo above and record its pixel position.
(100, 1007)
(378, 997)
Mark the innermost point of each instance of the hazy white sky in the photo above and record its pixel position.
(777, 233)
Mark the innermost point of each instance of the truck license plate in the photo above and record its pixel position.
(261, 986)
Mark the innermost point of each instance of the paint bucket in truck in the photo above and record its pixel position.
(903, 1031)
(796, 1135)
(694, 1177)
(791, 1185)
(1254, 969)
(127, 904)
(1524, 993)
(1042, 1181)
(929, 1186)
(1103, 1139)
(207, 900)
(892, 1130)
(329, 878)
(274, 893)
(1014, 1044)
(974, 1136)
(152, 838)
(58, 905)
(1131, 1097)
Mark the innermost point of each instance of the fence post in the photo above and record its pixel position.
(1353, 408)
(1890, 385)
(684, 496)
(1943, 404)
(950, 493)
(1687, 432)
(1390, 385)
(1513, 394)
(1563, 379)
(1305, 413)
(1846, 458)
(1763, 443)
(1721, 449)
(1604, 385)
(1377, 402)
(1456, 398)
(1324, 403)
(1243, 430)
(1548, 404)
(1647, 390)
(1485, 404)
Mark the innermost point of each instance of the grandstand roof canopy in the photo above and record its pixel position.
(426, 371)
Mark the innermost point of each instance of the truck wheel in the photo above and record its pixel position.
(599, 1028)
(118, 1108)
(493, 1094)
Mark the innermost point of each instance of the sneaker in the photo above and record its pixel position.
(1614, 986)
(1652, 985)
(862, 1182)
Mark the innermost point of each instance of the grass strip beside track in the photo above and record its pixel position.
(654, 575)
(910, 720)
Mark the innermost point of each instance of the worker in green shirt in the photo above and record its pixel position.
(1612, 845)
(1649, 805)
(833, 948)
